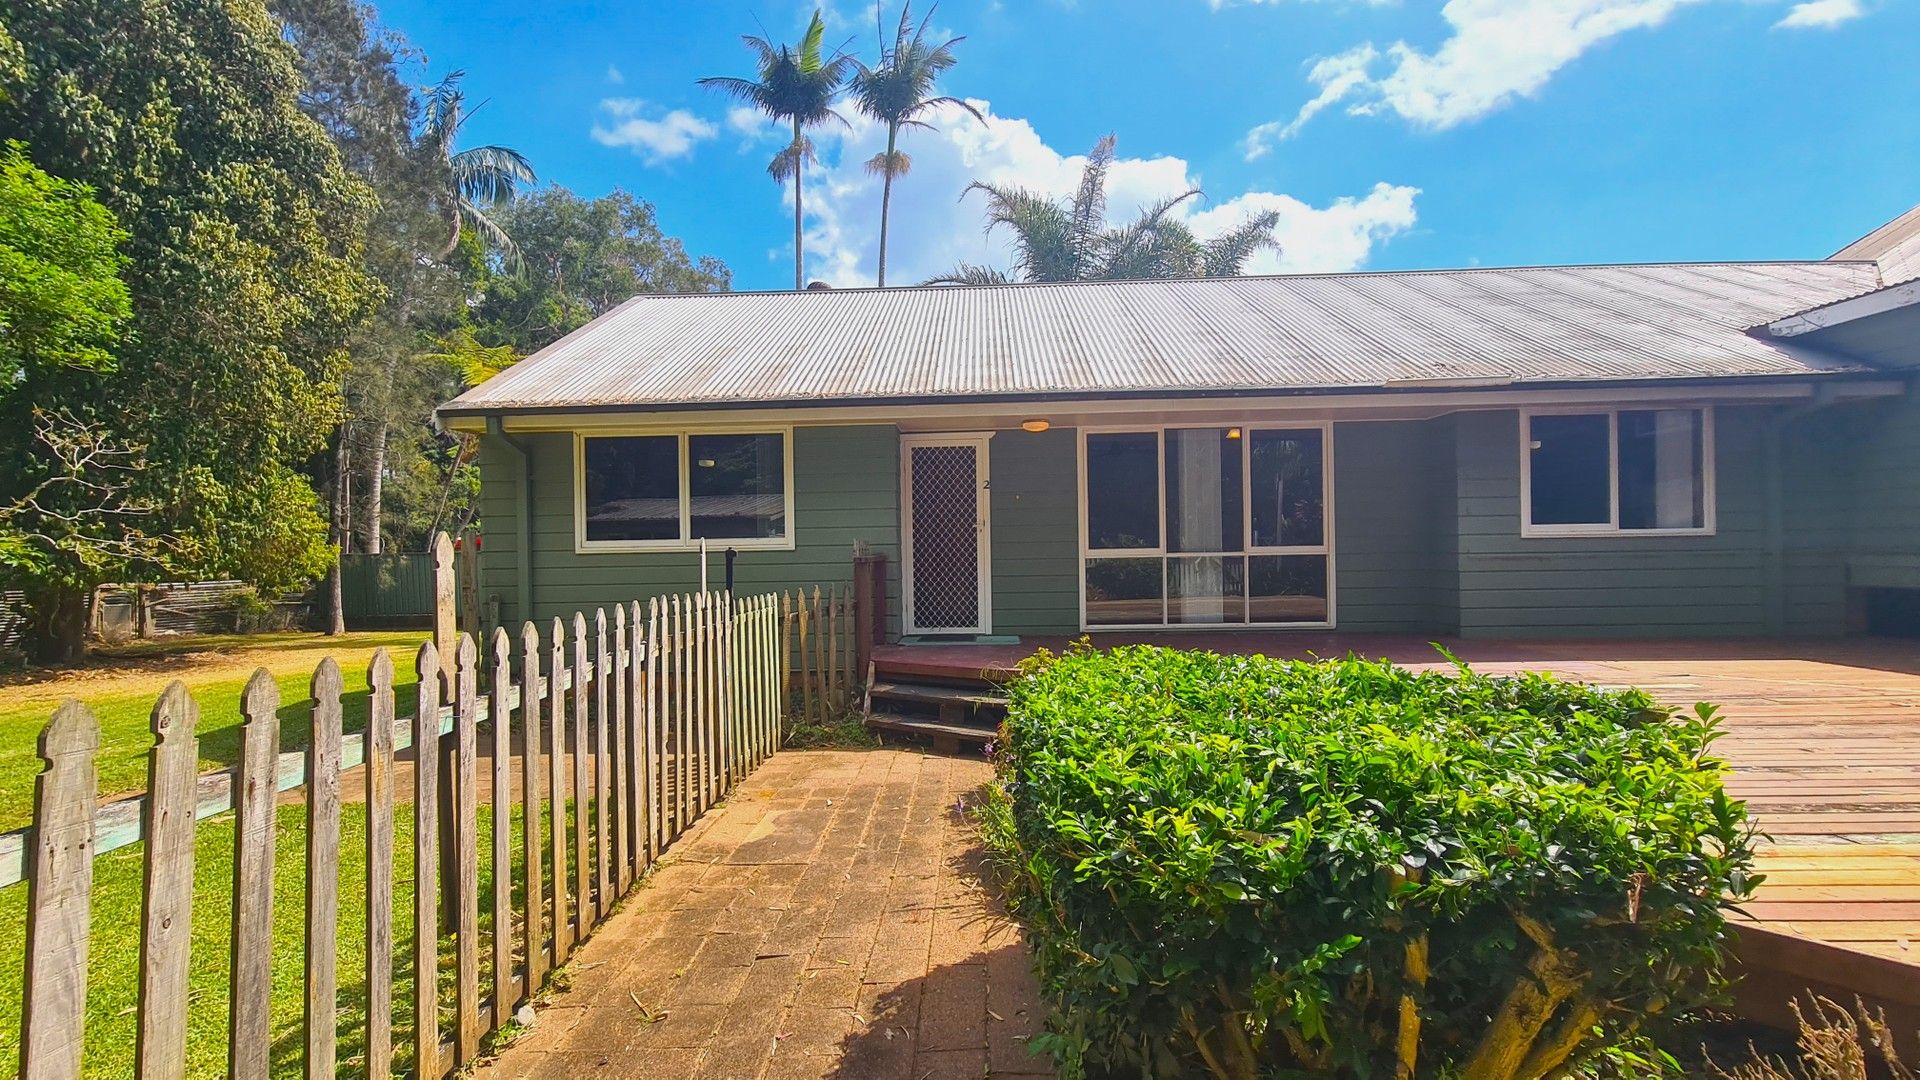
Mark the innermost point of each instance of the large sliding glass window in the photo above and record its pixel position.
(1205, 526)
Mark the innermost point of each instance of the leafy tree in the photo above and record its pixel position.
(62, 302)
(797, 85)
(245, 269)
(1056, 240)
(898, 92)
(581, 258)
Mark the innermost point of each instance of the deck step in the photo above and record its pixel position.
(944, 735)
(924, 694)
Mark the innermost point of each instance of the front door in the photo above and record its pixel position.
(944, 502)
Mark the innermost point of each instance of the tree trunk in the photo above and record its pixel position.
(372, 515)
(886, 200)
(342, 463)
(59, 623)
(799, 167)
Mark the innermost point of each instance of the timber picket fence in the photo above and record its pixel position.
(606, 739)
(820, 642)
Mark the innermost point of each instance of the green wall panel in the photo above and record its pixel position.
(846, 491)
(1035, 513)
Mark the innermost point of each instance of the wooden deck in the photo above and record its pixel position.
(1824, 740)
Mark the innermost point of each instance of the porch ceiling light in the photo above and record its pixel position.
(1036, 425)
(1233, 433)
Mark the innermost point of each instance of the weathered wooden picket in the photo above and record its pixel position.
(625, 732)
(819, 629)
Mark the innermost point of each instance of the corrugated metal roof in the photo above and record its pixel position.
(1261, 334)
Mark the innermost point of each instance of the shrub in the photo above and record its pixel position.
(1240, 866)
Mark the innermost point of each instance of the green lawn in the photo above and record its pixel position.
(122, 689)
(113, 961)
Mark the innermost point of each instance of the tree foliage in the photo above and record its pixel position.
(582, 257)
(244, 247)
(1070, 240)
(62, 302)
(1241, 867)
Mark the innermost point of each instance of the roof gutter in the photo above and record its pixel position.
(523, 518)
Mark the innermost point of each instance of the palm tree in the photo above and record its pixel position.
(898, 93)
(488, 175)
(1070, 241)
(796, 86)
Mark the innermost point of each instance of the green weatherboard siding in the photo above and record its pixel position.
(1427, 530)
(846, 491)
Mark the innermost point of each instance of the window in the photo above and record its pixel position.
(640, 492)
(1206, 526)
(1625, 472)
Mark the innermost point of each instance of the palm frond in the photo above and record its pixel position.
(496, 237)
(790, 158)
(894, 164)
(745, 91)
(1226, 255)
(969, 274)
(1089, 210)
(490, 174)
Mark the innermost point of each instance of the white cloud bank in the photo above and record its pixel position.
(653, 135)
(933, 228)
(1496, 51)
(1821, 14)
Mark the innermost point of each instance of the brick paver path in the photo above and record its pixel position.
(829, 920)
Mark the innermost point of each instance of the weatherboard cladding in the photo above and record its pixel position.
(1263, 334)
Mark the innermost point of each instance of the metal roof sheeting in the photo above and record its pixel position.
(1564, 324)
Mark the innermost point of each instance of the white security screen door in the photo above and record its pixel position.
(944, 501)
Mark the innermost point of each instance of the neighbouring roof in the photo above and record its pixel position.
(1284, 334)
(1895, 246)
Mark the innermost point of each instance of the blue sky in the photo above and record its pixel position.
(1390, 134)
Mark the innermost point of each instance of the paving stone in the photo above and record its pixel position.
(829, 920)
(953, 1008)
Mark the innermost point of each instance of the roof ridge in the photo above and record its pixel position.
(1318, 275)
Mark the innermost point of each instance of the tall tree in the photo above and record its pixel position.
(477, 177)
(898, 92)
(244, 239)
(1070, 240)
(582, 258)
(797, 85)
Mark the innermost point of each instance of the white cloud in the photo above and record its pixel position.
(1821, 14)
(656, 138)
(933, 228)
(750, 124)
(614, 75)
(1498, 50)
(1337, 76)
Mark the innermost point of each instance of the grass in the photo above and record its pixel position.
(122, 683)
(113, 959)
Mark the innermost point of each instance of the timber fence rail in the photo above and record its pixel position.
(604, 740)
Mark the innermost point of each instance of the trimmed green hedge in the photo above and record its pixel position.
(1241, 867)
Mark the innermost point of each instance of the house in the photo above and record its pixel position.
(1707, 449)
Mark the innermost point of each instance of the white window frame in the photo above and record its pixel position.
(1611, 527)
(687, 541)
(1160, 552)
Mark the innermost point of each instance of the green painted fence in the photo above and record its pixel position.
(387, 587)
